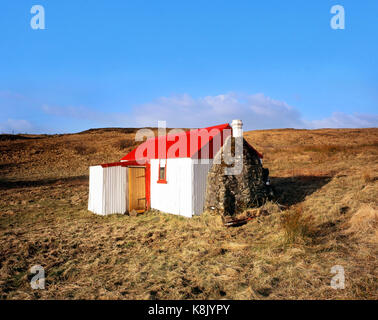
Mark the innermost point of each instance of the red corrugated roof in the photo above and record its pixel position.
(193, 140)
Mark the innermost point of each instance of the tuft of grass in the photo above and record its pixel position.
(83, 150)
(296, 226)
(123, 144)
(367, 177)
(364, 223)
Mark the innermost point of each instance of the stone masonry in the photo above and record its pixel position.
(229, 195)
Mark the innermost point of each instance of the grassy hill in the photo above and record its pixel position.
(325, 214)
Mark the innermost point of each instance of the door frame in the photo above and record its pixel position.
(147, 166)
(132, 189)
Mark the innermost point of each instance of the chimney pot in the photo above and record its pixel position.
(237, 128)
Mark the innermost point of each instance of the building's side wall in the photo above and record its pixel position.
(200, 171)
(114, 190)
(176, 195)
(126, 189)
(96, 185)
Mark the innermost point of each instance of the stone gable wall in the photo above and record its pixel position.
(232, 194)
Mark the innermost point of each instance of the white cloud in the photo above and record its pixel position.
(343, 120)
(94, 116)
(78, 112)
(15, 126)
(257, 111)
(10, 95)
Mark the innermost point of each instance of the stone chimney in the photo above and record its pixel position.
(237, 128)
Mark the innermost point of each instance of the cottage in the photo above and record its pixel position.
(168, 173)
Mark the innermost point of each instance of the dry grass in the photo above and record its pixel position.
(367, 176)
(296, 226)
(364, 224)
(44, 220)
(124, 143)
(83, 150)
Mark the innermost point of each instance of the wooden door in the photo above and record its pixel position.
(137, 189)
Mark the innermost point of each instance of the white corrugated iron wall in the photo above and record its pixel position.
(184, 193)
(114, 191)
(200, 171)
(176, 195)
(95, 189)
(107, 190)
(127, 190)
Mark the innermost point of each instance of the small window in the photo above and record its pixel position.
(162, 173)
(162, 178)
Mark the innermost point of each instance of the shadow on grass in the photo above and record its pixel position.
(292, 190)
(11, 184)
(12, 137)
(7, 166)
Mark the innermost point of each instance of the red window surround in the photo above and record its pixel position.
(160, 178)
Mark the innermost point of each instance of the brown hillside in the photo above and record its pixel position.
(325, 215)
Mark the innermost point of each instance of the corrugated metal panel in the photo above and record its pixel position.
(95, 198)
(195, 137)
(107, 190)
(114, 190)
(176, 195)
(183, 194)
(200, 171)
(127, 190)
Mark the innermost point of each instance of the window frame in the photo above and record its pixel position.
(165, 171)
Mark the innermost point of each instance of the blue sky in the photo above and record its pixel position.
(274, 64)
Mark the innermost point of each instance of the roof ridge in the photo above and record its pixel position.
(131, 156)
(220, 126)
